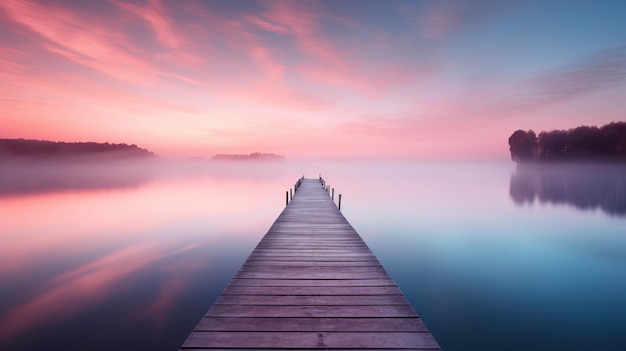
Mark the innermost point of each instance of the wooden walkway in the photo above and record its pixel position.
(311, 283)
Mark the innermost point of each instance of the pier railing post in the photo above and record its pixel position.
(290, 194)
(333, 195)
(339, 205)
(287, 199)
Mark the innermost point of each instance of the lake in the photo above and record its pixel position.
(491, 255)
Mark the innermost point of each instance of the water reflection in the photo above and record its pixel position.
(584, 186)
(21, 177)
(136, 267)
(68, 294)
(126, 259)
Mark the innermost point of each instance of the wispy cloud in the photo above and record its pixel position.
(328, 60)
(81, 39)
(157, 17)
(92, 40)
(437, 19)
(600, 70)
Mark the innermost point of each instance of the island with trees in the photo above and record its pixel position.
(51, 150)
(255, 156)
(584, 143)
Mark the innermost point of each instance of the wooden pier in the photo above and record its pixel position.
(311, 283)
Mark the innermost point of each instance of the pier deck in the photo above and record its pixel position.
(311, 283)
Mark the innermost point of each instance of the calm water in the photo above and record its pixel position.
(492, 257)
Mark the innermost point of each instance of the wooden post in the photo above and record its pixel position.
(339, 206)
(287, 199)
(290, 194)
(333, 196)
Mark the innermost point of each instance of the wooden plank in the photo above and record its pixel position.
(312, 290)
(312, 269)
(310, 275)
(311, 311)
(270, 262)
(303, 300)
(410, 324)
(354, 340)
(326, 254)
(311, 283)
(313, 258)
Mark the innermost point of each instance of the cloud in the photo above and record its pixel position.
(437, 19)
(80, 39)
(96, 41)
(302, 20)
(156, 16)
(330, 58)
(601, 70)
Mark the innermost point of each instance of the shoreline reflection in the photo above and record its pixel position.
(23, 178)
(583, 186)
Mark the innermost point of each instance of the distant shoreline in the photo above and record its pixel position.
(255, 156)
(44, 150)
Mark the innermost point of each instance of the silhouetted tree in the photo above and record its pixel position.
(615, 135)
(580, 143)
(522, 144)
(551, 145)
(585, 143)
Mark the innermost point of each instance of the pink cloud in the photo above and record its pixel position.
(435, 20)
(89, 40)
(260, 77)
(79, 39)
(331, 62)
(302, 20)
(156, 15)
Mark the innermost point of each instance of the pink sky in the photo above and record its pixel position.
(309, 79)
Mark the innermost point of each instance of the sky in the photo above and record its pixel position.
(343, 79)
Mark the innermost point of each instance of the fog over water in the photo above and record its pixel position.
(130, 255)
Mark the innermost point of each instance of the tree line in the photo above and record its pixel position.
(255, 156)
(606, 143)
(46, 149)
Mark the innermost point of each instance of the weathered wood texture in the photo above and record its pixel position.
(311, 283)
